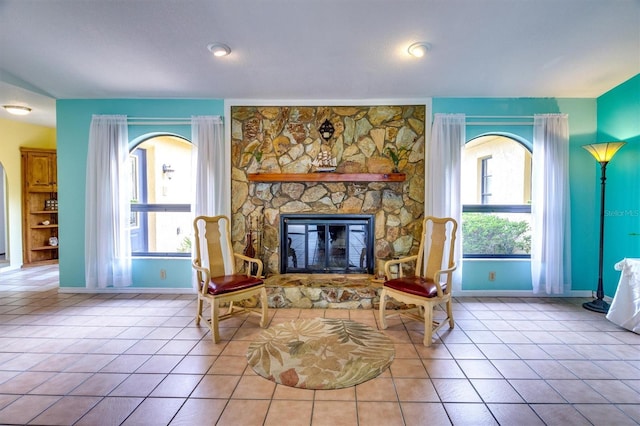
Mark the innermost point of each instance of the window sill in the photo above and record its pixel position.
(161, 257)
(496, 259)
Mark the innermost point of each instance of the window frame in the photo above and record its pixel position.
(140, 208)
(485, 177)
(496, 208)
(160, 208)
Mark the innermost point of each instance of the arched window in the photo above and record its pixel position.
(496, 198)
(161, 197)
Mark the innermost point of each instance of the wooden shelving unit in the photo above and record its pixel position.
(39, 206)
(327, 177)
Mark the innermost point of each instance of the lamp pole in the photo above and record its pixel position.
(598, 304)
(603, 153)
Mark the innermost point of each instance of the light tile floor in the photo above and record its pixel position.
(138, 359)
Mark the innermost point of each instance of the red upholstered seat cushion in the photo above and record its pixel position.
(229, 283)
(415, 285)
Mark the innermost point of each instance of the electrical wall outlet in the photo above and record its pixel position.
(163, 274)
(492, 276)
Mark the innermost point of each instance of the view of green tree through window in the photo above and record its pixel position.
(496, 198)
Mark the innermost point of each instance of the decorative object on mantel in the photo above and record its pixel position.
(256, 153)
(320, 353)
(603, 153)
(326, 130)
(396, 155)
(324, 162)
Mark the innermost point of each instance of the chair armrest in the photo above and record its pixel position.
(251, 260)
(200, 271)
(389, 263)
(436, 279)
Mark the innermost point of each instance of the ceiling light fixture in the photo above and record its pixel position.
(219, 49)
(17, 109)
(419, 49)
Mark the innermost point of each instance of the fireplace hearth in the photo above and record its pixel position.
(326, 243)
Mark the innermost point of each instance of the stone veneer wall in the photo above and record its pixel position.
(288, 140)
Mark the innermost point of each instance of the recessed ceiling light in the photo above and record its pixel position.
(219, 49)
(17, 109)
(419, 49)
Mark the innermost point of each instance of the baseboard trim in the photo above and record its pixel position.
(127, 290)
(520, 293)
(461, 293)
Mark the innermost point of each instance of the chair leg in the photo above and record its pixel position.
(428, 325)
(264, 302)
(215, 312)
(450, 313)
(382, 309)
(199, 310)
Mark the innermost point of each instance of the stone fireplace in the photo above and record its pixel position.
(285, 140)
(326, 243)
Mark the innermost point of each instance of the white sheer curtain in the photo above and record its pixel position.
(107, 208)
(443, 176)
(550, 208)
(212, 193)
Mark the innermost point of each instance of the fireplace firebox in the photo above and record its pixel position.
(326, 243)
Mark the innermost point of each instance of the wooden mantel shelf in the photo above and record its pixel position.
(327, 177)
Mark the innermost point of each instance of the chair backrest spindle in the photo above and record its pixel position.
(214, 248)
(436, 248)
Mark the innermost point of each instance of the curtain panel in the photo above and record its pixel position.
(443, 176)
(107, 208)
(212, 195)
(210, 171)
(550, 208)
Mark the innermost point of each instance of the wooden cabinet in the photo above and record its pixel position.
(41, 170)
(39, 206)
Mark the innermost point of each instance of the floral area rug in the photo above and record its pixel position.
(320, 353)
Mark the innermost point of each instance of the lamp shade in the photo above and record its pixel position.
(603, 152)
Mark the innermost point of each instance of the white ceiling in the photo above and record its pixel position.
(312, 49)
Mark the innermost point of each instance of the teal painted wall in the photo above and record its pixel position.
(73, 123)
(613, 116)
(510, 275)
(619, 120)
(516, 275)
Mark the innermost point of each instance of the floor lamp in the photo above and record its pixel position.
(603, 153)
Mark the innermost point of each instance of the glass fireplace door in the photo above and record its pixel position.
(326, 244)
(327, 247)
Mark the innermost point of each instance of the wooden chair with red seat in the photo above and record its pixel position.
(218, 278)
(429, 285)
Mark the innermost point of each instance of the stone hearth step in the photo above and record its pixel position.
(357, 291)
